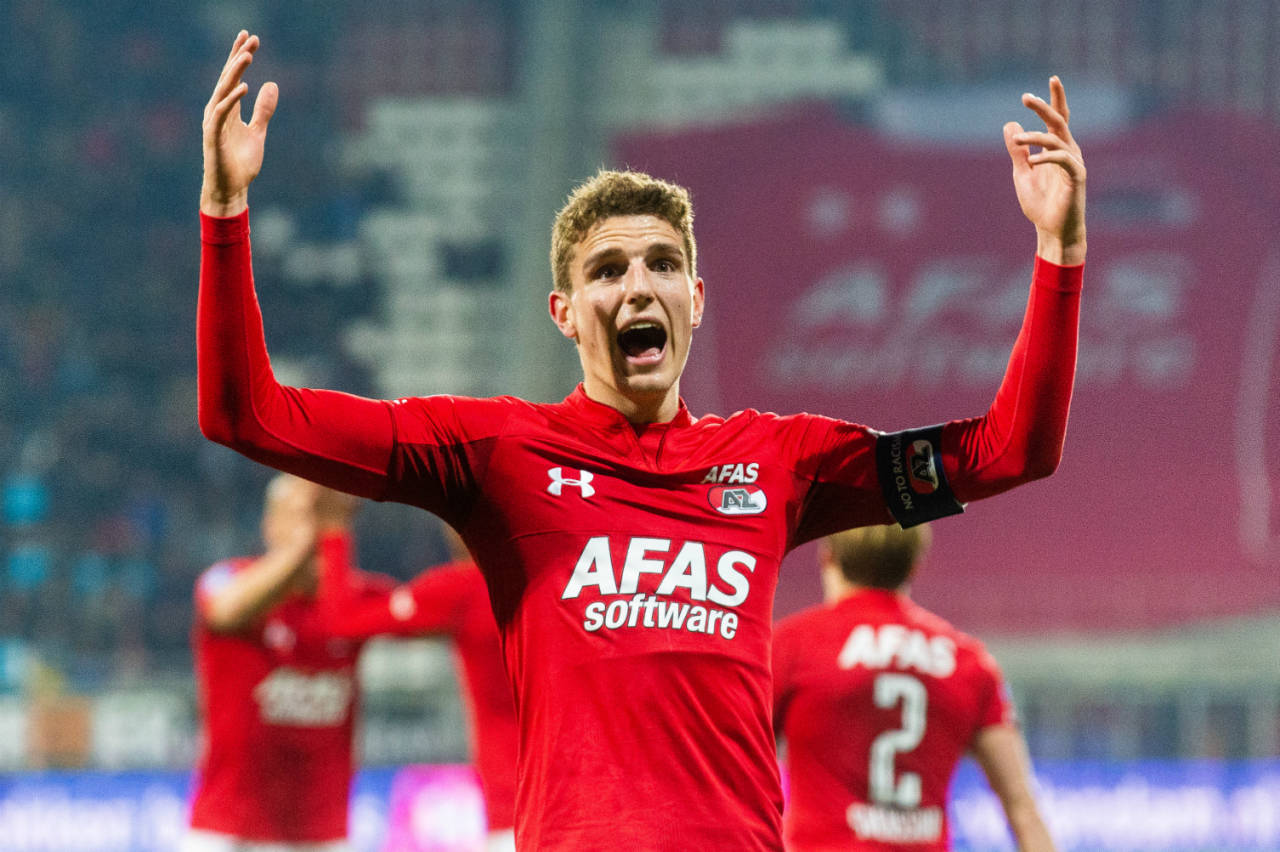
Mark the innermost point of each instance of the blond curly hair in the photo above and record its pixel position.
(618, 193)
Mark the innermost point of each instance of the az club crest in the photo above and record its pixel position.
(737, 499)
(920, 465)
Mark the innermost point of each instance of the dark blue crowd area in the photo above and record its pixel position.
(111, 502)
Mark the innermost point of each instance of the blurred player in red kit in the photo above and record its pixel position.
(447, 601)
(277, 641)
(878, 699)
(630, 549)
(278, 693)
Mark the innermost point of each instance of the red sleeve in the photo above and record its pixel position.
(344, 588)
(858, 478)
(333, 438)
(431, 604)
(1020, 437)
(996, 706)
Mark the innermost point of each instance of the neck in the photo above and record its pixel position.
(638, 409)
(848, 590)
(836, 588)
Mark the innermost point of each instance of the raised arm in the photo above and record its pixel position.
(1020, 438)
(240, 601)
(333, 438)
(1002, 754)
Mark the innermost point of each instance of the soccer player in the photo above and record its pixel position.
(631, 550)
(277, 691)
(449, 600)
(878, 699)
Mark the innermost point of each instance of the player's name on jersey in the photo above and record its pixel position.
(895, 825)
(683, 568)
(898, 647)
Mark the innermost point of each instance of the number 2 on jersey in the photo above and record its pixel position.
(886, 786)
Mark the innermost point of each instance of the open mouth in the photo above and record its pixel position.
(643, 342)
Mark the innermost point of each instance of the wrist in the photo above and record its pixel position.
(223, 205)
(1055, 249)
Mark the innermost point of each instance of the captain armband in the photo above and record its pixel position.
(912, 480)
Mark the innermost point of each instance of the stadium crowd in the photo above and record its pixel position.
(110, 502)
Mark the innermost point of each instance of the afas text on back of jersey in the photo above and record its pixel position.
(899, 647)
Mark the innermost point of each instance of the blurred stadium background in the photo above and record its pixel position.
(864, 257)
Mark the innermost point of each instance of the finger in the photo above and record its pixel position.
(215, 113)
(244, 43)
(1065, 159)
(235, 51)
(230, 77)
(1053, 119)
(239, 60)
(1017, 152)
(222, 110)
(235, 47)
(264, 106)
(1043, 140)
(1058, 98)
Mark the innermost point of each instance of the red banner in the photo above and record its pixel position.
(883, 281)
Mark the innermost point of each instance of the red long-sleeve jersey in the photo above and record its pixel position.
(447, 601)
(631, 568)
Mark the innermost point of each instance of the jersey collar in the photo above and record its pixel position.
(880, 599)
(598, 414)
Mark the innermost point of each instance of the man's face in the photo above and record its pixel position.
(632, 311)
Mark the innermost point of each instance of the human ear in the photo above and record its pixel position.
(699, 301)
(558, 304)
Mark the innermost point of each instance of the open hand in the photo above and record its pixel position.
(232, 149)
(1050, 183)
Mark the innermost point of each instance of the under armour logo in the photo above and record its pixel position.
(558, 482)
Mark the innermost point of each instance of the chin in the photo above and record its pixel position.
(646, 385)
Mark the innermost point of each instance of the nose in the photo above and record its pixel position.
(639, 289)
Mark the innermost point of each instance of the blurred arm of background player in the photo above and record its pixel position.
(433, 603)
(1002, 753)
(449, 600)
(289, 531)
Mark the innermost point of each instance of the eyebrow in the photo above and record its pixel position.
(662, 248)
